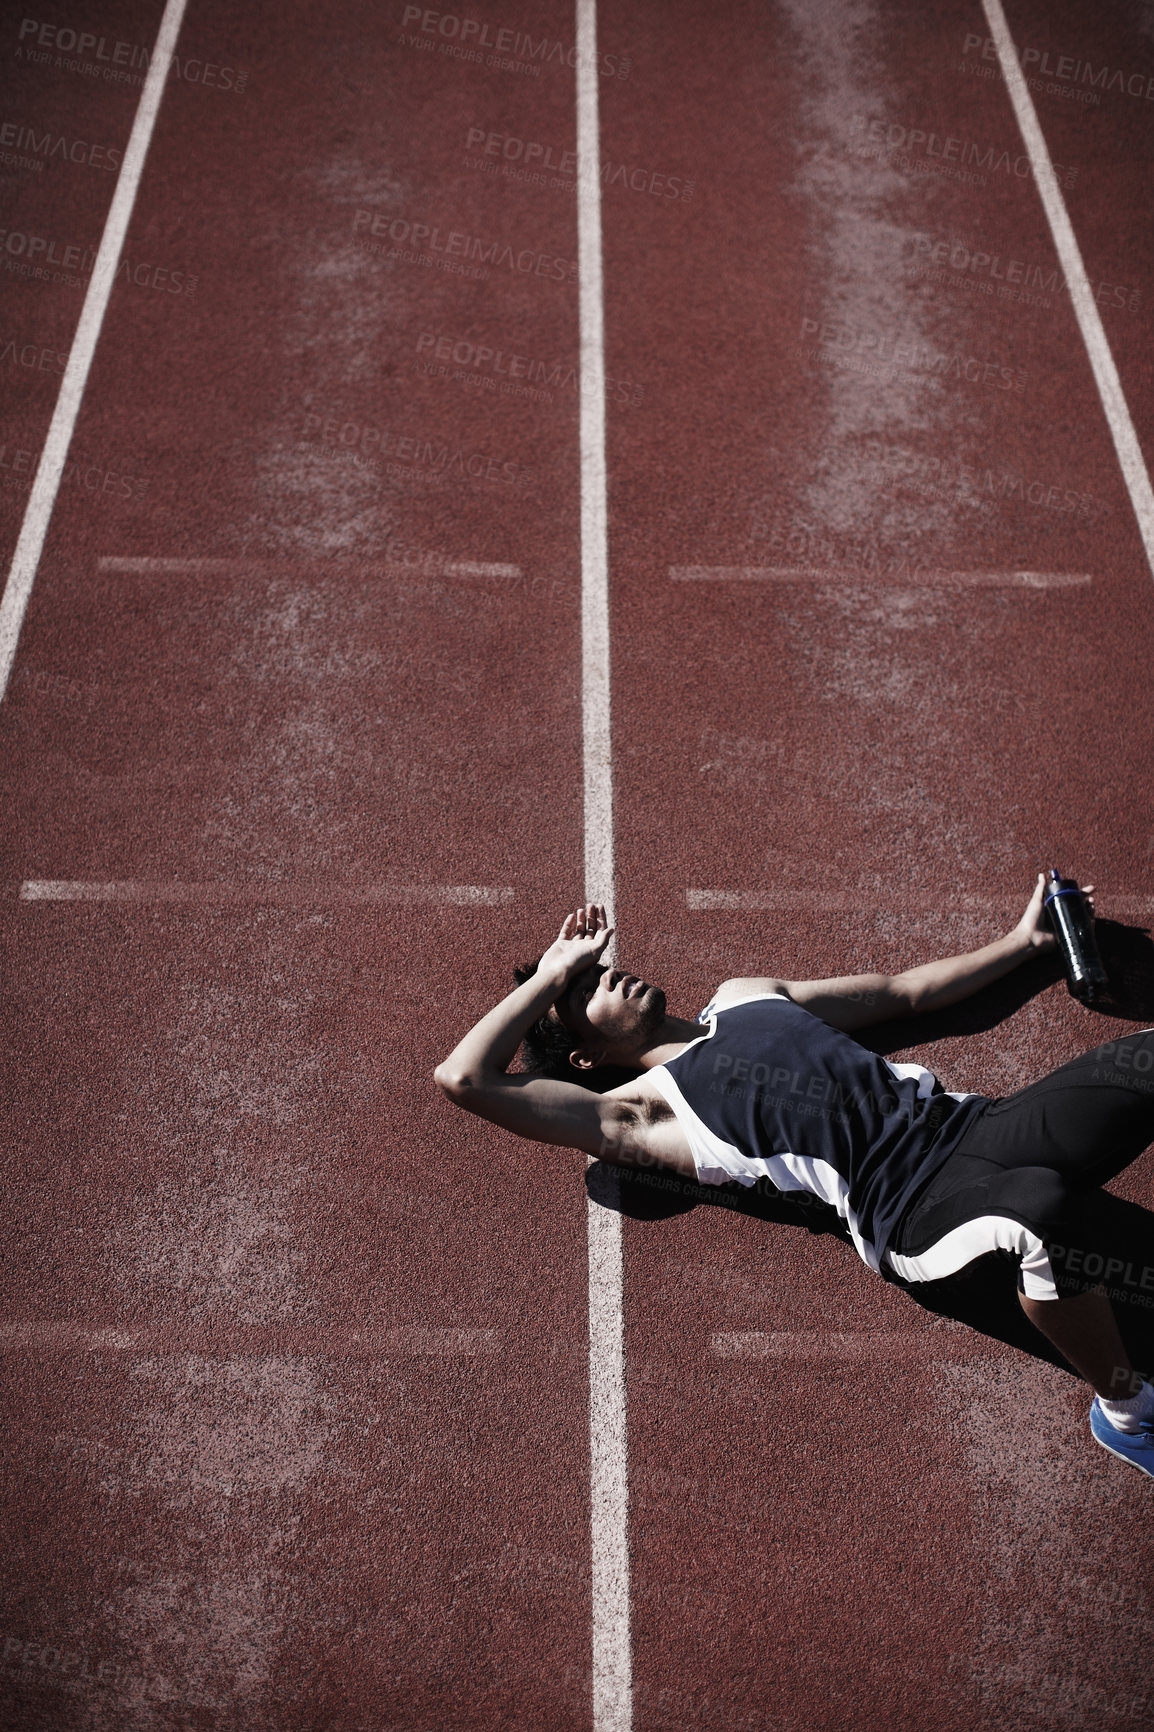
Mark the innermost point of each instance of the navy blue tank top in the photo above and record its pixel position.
(772, 1092)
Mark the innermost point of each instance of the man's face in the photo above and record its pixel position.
(606, 1008)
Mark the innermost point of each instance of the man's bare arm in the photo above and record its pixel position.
(857, 1000)
(474, 1075)
(549, 1111)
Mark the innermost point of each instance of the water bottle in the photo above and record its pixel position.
(1072, 926)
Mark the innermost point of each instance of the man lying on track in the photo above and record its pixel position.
(773, 1088)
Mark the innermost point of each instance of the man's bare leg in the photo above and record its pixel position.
(1085, 1331)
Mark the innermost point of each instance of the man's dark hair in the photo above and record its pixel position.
(546, 1047)
(548, 1043)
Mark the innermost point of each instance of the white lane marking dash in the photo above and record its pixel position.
(116, 565)
(826, 1344)
(847, 901)
(237, 1340)
(929, 578)
(286, 894)
(877, 901)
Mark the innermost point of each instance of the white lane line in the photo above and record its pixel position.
(241, 1340)
(824, 1344)
(1126, 444)
(282, 895)
(612, 1665)
(880, 580)
(848, 901)
(597, 742)
(115, 565)
(42, 500)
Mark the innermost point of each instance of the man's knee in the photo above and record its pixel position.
(1078, 1242)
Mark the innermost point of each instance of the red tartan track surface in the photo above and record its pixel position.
(297, 1379)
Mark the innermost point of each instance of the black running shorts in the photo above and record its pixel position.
(1026, 1178)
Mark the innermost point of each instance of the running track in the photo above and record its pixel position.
(297, 745)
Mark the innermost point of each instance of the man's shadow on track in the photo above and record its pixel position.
(984, 1295)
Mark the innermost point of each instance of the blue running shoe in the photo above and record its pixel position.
(1136, 1447)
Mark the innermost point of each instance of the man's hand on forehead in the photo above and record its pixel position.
(578, 946)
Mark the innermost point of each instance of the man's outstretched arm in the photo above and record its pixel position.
(857, 1000)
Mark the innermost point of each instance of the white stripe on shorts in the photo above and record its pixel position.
(973, 1239)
